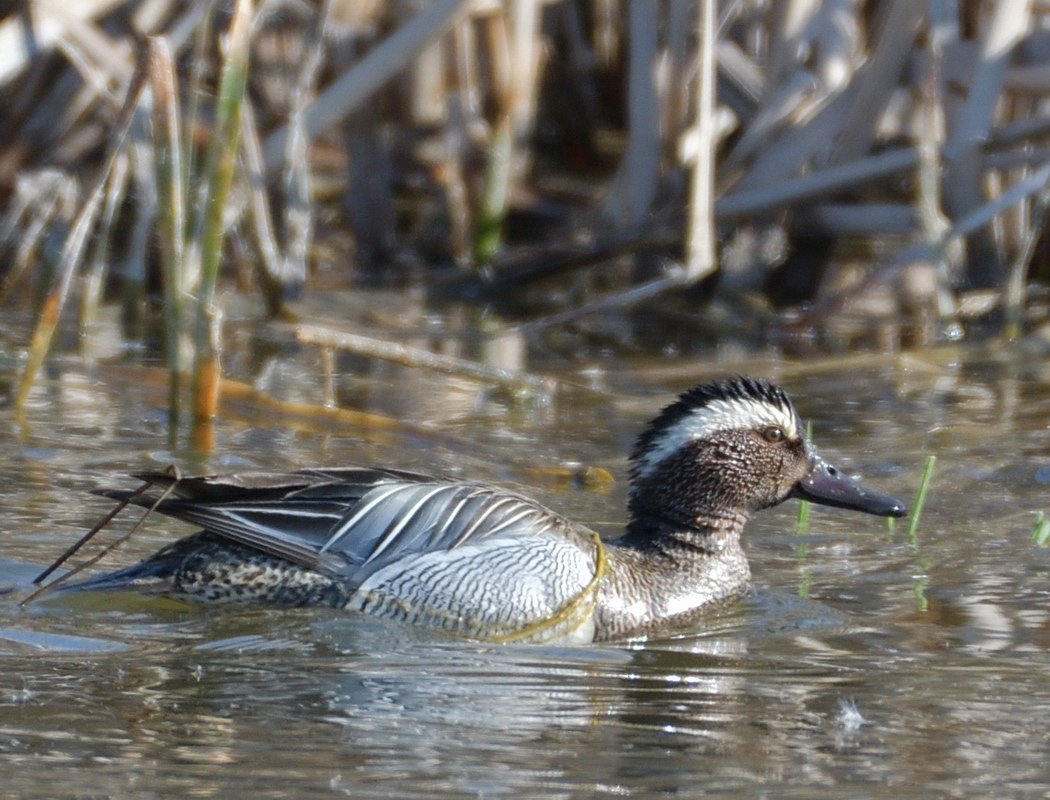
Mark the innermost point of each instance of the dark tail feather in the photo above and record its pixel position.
(155, 575)
(148, 577)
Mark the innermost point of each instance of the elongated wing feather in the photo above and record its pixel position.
(348, 522)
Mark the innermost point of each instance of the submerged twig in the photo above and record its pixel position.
(269, 250)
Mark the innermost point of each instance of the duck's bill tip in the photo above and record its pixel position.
(830, 487)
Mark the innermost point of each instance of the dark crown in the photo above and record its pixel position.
(734, 388)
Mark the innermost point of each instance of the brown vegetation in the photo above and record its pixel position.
(787, 161)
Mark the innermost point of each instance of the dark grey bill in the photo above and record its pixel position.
(829, 487)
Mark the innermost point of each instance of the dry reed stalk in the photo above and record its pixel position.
(95, 274)
(41, 202)
(793, 89)
(1015, 291)
(963, 189)
(700, 233)
(50, 23)
(1038, 181)
(676, 67)
(195, 92)
(512, 36)
(815, 185)
(297, 222)
(171, 192)
(793, 150)
(143, 227)
(462, 115)
(488, 221)
(261, 217)
(898, 26)
(933, 224)
(631, 191)
(348, 91)
(856, 219)
(73, 248)
(786, 28)
(804, 97)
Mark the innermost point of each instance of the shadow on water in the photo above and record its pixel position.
(865, 663)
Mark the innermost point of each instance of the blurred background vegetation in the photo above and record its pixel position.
(594, 176)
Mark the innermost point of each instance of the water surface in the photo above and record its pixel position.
(866, 663)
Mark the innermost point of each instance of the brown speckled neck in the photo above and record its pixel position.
(661, 582)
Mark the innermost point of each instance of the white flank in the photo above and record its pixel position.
(718, 415)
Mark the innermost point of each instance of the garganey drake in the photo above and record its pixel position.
(488, 563)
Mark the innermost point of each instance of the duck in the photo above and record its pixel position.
(487, 563)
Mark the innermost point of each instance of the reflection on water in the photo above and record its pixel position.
(864, 664)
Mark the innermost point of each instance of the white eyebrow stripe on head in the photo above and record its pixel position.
(717, 415)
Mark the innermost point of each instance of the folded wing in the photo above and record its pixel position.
(348, 522)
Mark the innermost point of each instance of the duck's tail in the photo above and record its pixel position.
(156, 575)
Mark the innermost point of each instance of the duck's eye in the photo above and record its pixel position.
(773, 434)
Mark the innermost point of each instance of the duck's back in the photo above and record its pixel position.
(466, 558)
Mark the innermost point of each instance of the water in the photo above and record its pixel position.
(866, 663)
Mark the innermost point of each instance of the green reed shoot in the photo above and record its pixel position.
(803, 517)
(209, 227)
(803, 506)
(1041, 530)
(920, 496)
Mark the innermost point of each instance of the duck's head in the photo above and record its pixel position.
(730, 447)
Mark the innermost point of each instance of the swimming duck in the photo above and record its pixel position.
(488, 563)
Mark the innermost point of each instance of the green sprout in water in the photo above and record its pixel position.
(803, 517)
(1041, 530)
(920, 496)
(803, 505)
